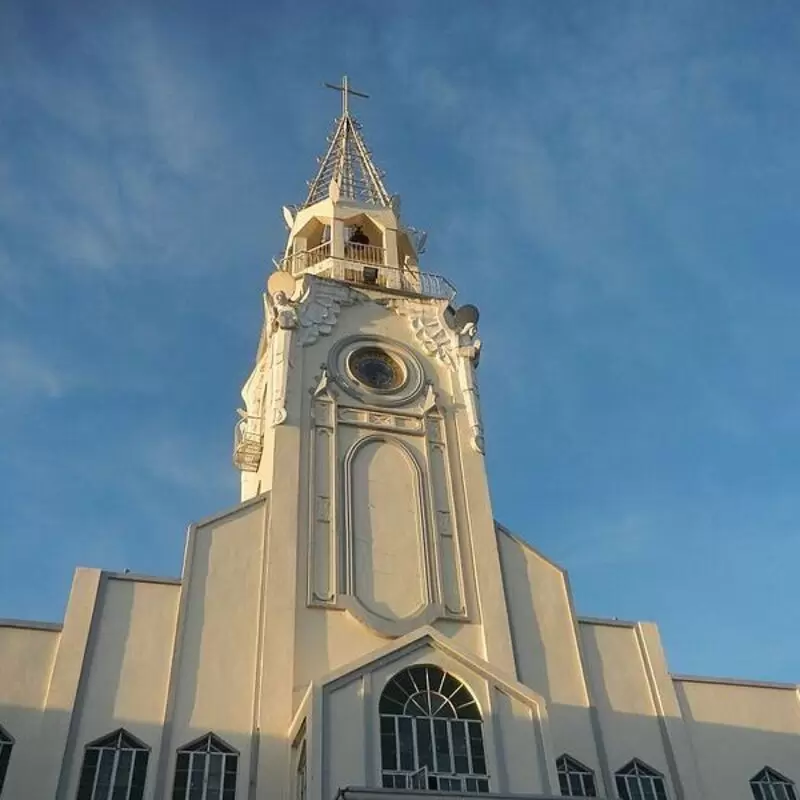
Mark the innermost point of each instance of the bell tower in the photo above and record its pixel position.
(362, 421)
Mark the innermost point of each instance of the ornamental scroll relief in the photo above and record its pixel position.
(394, 562)
(459, 348)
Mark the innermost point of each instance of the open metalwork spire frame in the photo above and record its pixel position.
(348, 162)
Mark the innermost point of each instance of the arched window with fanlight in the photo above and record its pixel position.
(771, 785)
(431, 733)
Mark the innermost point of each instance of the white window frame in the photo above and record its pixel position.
(637, 770)
(205, 747)
(575, 767)
(769, 784)
(120, 746)
(448, 780)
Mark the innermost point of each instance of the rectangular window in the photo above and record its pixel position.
(388, 753)
(139, 774)
(214, 780)
(478, 785)
(406, 742)
(444, 761)
(121, 778)
(460, 756)
(476, 748)
(424, 742)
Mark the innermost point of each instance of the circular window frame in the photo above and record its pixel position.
(406, 392)
(398, 364)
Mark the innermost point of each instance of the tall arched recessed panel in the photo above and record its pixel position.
(386, 528)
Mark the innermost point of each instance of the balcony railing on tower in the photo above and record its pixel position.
(365, 265)
(365, 253)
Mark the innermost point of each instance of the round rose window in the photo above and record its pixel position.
(376, 369)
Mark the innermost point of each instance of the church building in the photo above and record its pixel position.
(360, 626)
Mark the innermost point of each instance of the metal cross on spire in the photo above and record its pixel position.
(346, 90)
(347, 161)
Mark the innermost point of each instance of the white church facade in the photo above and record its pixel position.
(360, 626)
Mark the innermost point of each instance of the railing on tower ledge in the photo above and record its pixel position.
(365, 265)
(248, 444)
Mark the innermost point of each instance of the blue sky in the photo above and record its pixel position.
(614, 184)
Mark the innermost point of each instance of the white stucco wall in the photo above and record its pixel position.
(126, 668)
(213, 683)
(620, 693)
(125, 675)
(26, 660)
(736, 730)
(546, 646)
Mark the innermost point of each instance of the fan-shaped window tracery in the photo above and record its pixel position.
(431, 733)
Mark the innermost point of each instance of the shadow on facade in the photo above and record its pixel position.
(726, 757)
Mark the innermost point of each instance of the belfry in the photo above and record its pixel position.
(359, 625)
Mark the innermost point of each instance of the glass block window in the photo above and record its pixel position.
(574, 778)
(431, 731)
(206, 770)
(771, 785)
(6, 743)
(114, 768)
(637, 781)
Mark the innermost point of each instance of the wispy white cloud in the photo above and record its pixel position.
(131, 138)
(182, 463)
(26, 374)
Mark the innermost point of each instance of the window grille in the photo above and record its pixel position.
(114, 768)
(637, 781)
(574, 778)
(771, 785)
(6, 743)
(206, 770)
(430, 721)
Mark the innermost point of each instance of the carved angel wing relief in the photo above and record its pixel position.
(320, 309)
